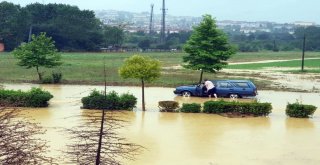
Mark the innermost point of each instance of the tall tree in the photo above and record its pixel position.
(70, 27)
(11, 25)
(208, 48)
(40, 52)
(113, 36)
(143, 68)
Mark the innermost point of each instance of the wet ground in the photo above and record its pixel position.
(188, 139)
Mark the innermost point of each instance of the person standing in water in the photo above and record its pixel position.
(211, 89)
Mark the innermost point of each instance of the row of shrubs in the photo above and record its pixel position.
(254, 108)
(110, 101)
(35, 97)
(217, 107)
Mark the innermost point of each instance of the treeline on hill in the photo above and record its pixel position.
(73, 29)
(277, 40)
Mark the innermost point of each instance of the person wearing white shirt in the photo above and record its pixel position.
(211, 89)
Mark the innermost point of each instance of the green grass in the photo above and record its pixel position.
(87, 68)
(260, 56)
(312, 64)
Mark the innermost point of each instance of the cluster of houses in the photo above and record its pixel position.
(141, 22)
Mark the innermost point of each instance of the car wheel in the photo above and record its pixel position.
(234, 96)
(186, 94)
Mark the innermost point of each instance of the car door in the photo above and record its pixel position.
(224, 88)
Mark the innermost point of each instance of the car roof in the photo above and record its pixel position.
(231, 80)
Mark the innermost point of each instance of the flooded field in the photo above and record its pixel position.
(189, 139)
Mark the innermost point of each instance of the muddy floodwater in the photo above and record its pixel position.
(193, 139)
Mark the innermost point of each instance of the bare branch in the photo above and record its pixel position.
(114, 148)
(19, 143)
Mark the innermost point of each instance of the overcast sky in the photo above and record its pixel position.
(282, 11)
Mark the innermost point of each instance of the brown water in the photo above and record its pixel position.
(193, 139)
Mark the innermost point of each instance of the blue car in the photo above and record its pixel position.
(224, 88)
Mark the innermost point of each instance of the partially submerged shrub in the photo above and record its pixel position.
(127, 101)
(300, 110)
(35, 97)
(56, 77)
(112, 101)
(254, 108)
(191, 108)
(47, 80)
(168, 106)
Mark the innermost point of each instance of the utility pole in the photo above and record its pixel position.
(303, 50)
(151, 20)
(30, 33)
(163, 24)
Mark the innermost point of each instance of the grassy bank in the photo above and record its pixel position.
(87, 68)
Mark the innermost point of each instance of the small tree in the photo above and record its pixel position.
(207, 48)
(40, 52)
(143, 68)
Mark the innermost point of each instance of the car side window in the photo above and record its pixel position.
(224, 85)
(242, 84)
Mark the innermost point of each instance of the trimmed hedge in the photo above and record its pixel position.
(300, 110)
(168, 106)
(191, 108)
(35, 97)
(112, 101)
(255, 108)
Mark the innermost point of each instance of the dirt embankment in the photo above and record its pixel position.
(306, 82)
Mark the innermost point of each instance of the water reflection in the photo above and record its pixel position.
(297, 123)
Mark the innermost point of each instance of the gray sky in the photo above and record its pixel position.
(282, 11)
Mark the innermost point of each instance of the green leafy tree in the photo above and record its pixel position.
(144, 44)
(143, 68)
(113, 36)
(12, 25)
(40, 52)
(71, 28)
(208, 48)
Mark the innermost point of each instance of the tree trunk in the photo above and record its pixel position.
(143, 104)
(201, 76)
(39, 74)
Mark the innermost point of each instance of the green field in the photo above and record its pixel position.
(87, 68)
(311, 65)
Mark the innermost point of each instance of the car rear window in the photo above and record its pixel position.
(242, 84)
(224, 85)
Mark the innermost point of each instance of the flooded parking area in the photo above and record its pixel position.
(189, 139)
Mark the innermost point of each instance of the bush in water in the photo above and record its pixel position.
(112, 101)
(168, 106)
(300, 110)
(127, 101)
(47, 80)
(35, 97)
(191, 108)
(254, 108)
(56, 77)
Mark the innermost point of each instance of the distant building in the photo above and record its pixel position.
(140, 22)
(301, 23)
